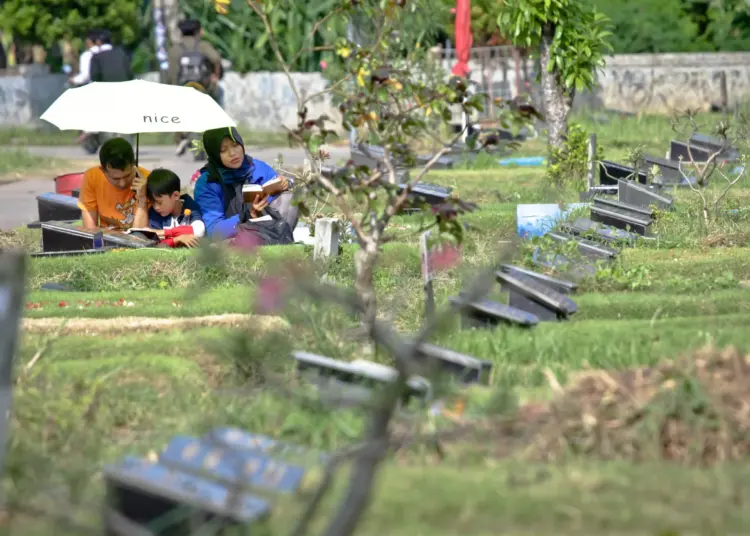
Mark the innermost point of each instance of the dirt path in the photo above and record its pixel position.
(132, 324)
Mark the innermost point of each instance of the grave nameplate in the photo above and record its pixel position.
(57, 207)
(643, 196)
(464, 368)
(610, 172)
(682, 151)
(236, 438)
(357, 372)
(487, 313)
(714, 145)
(669, 169)
(622, 218)
(531, 296)
(587, 227)
(560, 285)
(243, 470)
(587, 248)
(60, 236)
(12, 286)
(147, 493)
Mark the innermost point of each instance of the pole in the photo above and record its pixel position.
(160, 40)
(351, 36)
(592, 161)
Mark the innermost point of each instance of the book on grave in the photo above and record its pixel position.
(252, 191)
(148, 233)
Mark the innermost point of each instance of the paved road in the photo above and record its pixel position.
(18, 199)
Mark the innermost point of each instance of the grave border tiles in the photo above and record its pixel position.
(587, 248)
(464, 368)
(605, 233)
(639, 195)
(536, 298)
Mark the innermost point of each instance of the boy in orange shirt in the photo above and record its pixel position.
(114, 193)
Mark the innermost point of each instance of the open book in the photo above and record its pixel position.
(251, 191)
(149, 233)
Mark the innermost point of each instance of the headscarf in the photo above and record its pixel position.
(212, 146)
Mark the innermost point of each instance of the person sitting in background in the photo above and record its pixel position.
(218, 190)
(176, 218)
(113, 194)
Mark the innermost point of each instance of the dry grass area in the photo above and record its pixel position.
(134, 324)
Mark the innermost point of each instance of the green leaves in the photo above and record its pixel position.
(46, 21)
(578, 36)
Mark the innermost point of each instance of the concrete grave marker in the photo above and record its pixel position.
(327, 238)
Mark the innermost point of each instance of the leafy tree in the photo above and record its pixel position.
(385, 95)
(572, 38)
(44, 22)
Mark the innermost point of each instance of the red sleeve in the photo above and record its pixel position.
(178, 231)
(168, 241)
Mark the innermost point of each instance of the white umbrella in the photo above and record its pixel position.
(136, 107)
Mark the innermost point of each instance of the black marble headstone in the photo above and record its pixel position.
(610, 172)
(683, 151)
(560, 285)
(465, 368)
(487, 313)
(668, 169)
(534, 297)
(60, 236)
(628, 218)
(587, 248)
(432, 194)
(598, 231)
(57, 207)
(714, 145)
(643, 196)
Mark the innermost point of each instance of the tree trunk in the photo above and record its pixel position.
(172, 19)
(556, 100)
(364, 269)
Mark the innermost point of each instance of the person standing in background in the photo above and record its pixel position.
(110, 63)
(84, 63)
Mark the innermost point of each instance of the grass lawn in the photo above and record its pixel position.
(91, 397)
(17, 163)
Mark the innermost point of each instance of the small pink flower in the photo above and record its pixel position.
(323, 64)
(195, 176)
(269, 296)
(444, 258)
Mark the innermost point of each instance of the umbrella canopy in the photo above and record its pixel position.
(463, 38)
(135, 107)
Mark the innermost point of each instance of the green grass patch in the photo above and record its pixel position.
(15, 163)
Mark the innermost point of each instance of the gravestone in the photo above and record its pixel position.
(621, 216)
(12, 286)
(643, 196)
(432, 194)
(464, 368)
(528, 294)
(224, 480)
(587, 248)
(61, 236)
(598, 231)
(575, 269)
(714, 145)
(57, 207)
(76, 192)
(682, 151)
(318, 369)
(484, 313)
(669, 169)
(327, 237)
(560, 285)
(610, 172)
(373, 156)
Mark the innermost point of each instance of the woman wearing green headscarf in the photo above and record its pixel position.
(218, 190)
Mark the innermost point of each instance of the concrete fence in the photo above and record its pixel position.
(263, 102)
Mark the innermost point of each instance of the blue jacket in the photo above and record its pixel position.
(210, 199)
